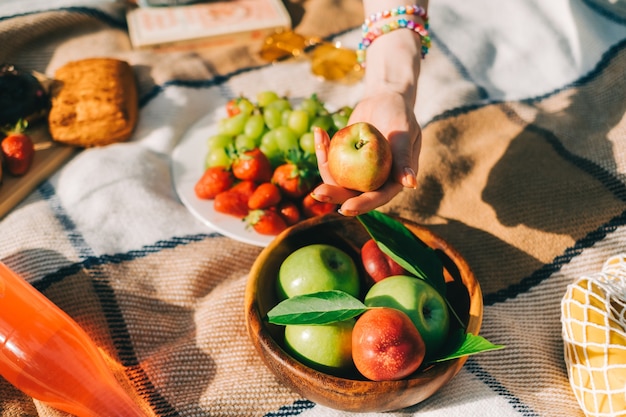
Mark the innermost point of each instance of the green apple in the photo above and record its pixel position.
(327, 348)
(359, 157)
(317, 267)
(426, 308)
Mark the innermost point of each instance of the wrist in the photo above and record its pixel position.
(393, 64)
(392, 59)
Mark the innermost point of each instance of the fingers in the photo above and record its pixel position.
(365, 202)
(322, 142)
(327, 193)
(353, 202)
(405, 157)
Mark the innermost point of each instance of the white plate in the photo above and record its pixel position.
(187, 168)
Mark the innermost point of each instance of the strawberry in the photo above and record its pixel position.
(289, 211)
(231, 203)
(245, 188)
(214, 181)
(295, 177)
(17, 150)
(311, 207)
(252, 165)
(266, 222)
(238, 105)
(234, 201)
(264, 196)
(232, 107)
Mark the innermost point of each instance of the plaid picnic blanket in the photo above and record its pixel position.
(523, 171)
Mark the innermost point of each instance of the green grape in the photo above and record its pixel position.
(284, 117)
(325, 122)
(219, 141)
(309, 106)
(285, 139)
(307, 142)
(232, 125)
(245, 105)
(217, 157)
(298, 121)
(345, 111)
(281, 104)
(254, 127)
(312, 105)
(246, 143)
(266, 97)
(269, 146)
(323, 111)
(273, 117)
(340, 120)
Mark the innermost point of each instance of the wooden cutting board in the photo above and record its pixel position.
(49, 156)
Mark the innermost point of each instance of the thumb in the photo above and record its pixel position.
(405, 158)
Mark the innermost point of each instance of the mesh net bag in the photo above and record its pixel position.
(593, 315)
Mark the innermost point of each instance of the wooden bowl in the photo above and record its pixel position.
(352, 394)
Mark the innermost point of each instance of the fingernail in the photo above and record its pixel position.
(410, 178)
(321, 197)
(349, 213)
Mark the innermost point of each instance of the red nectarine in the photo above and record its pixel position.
(386, 345)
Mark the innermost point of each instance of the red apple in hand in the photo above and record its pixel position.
(377, 263)
(386, 345)
(359, 157)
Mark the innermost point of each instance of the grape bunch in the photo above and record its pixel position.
(274, 125)
(260, 164)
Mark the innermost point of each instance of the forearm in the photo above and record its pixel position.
(393, 60)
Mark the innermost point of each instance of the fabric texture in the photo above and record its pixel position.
(523, 171)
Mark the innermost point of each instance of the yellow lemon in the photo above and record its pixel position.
(593, 315)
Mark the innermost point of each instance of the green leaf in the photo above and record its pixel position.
(318, 308)
(470, 345)
(397, 241)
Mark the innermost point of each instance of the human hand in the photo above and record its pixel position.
(389, 113)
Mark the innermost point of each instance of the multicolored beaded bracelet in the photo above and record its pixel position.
(372, 34)
(409, 9)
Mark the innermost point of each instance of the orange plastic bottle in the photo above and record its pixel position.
(45, 354)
